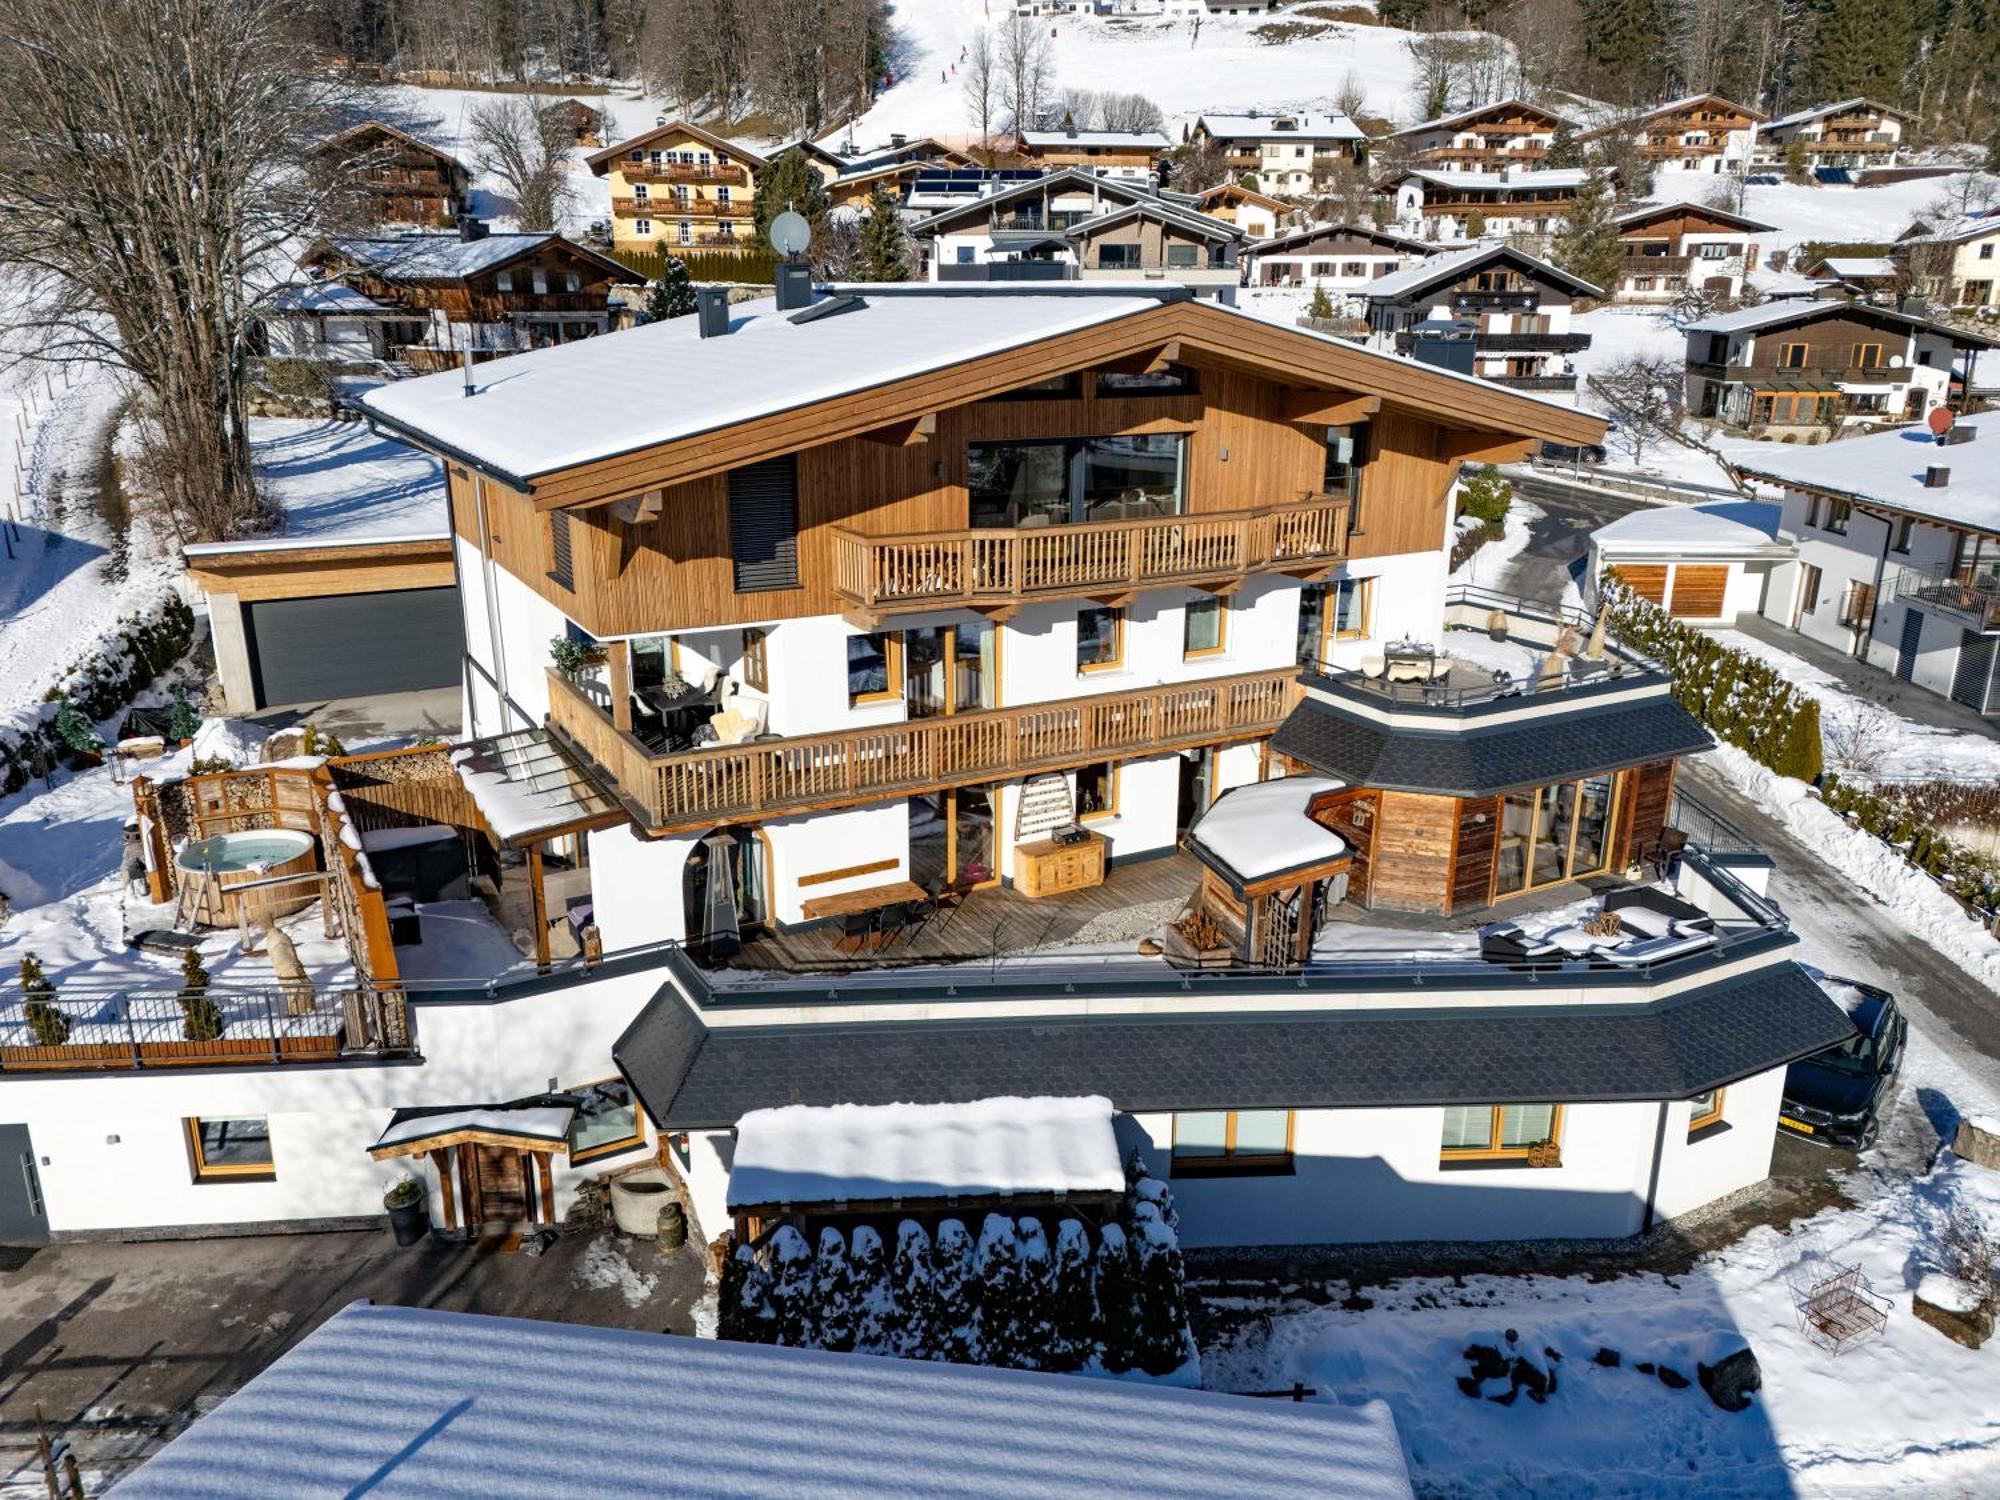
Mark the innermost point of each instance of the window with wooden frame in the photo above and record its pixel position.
(1705, 1111)
(874, 668)
(1205, 627)
(1857, 606)
(1233, 1140)
(756, 663)
(1100, 639)
(1792, 356)
(1837, 512)
(230, 1148)
(1500, 1132)
(1097, 791)
(1867, 356)
(608, 1121)
(1350, 608)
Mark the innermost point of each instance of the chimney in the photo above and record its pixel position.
(711, 310)
(795, 286)
(471, 227)
(658, 121)
(1961, 433)
(1936, 476)
(465, 365)
(897, 140)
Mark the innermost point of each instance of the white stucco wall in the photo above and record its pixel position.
(527, 622)
(1693, 1173)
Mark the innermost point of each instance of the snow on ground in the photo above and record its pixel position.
(1488, 565)
(1909, 1410)
(1798, 213)
(339, 482)
(79, 563)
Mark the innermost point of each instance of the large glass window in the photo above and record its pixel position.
(874, 667)
(607, 1120)
(1081, 479)
(1474, 1131)
(225, 1148)
(1174, 380)
(1554, 833)
(948, 669)
(1100, 639)
(1222, 1140)
(1097, 791)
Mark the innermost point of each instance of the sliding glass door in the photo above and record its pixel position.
(1073, 480)
(1555, 833)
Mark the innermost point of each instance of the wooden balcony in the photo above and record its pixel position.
(670, 207)
(998, 570)
(698, 789)
(639, 171)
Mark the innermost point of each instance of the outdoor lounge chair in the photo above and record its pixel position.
(1644, 898)
(1506, 943)
(1653, 950)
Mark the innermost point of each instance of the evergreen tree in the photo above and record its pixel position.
(74, 730)
(791, 182)
(1625, 42)
(1161, 1344)
(672, 296)
(183, 723)
(1587, 245)
(1117, 1301)
(794, 1320)
(1149, 1189)
(911, 1328)
(997, 1268)
(1035, 1313)
(47, 1024)
(1565, 150)
(955, 1293)
(1072, 1301)
(874, 1296)
(1321, 305)
(885, 243)
(731, 1317)
(833, 1292)
(201, 1017)
(1859, 48)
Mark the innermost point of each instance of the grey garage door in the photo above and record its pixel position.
(347, 645)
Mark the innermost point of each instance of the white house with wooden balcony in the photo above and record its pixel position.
(1898, 539)
(1695, 133)
(1488, 139)
(1853, 133)
(1671, 249)
(892, 556)
(1515, 307)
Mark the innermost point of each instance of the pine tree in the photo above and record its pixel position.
(1161, 1345)
(1625, 42)
(874, 1296)
(1072, 1301)
(1565, 150)
(757, 1319)
(183, 723)
(74, 730)
(795, 1323)
(731, 1317)
(1587, 246)
(911, 1328)
(791, 182)
(1117, 1301)
(1149, 1189)
(1860, 48)
(885, 242)
(672, 296)
(833, 1292)
(1321, 306)
(48, 1025)
(997, 1268)
(201, 1017)
(955, 1289)
(1035, 1310)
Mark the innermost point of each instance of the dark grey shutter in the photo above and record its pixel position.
(764, 524)
(561, 570)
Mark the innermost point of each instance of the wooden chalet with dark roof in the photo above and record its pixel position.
(1672, 247)
(409, 181)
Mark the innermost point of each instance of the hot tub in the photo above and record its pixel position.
(212, 868)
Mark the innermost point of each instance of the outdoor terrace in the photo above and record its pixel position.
(1974, 600)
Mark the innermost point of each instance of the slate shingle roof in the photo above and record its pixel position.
(1471, 761)
(691, 1076)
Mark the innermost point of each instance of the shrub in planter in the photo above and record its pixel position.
(201, 1018)
(571, 655)
(403, 1192)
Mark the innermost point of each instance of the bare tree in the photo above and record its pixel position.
(153, 163)
(1351, 99)
(523, 144)
(1027, 72)
(1645, 395)
(1132, 112)
(981, 83)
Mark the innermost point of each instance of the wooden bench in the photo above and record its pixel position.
(868, 898)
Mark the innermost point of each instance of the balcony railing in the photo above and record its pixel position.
(1526, 297)
(1828, 374)
(637, 171)
(678, 208)
(1968, 597)
(1534, 343)
(992, 566)
(1655, 265)
(1534, 382)
(794, 773)
(83, 1030)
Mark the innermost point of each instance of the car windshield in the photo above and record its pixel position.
(1860, 1052)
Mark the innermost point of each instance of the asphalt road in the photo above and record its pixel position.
(1559, 541)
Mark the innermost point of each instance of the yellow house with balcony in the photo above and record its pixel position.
(678, 190)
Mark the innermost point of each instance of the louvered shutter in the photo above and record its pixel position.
(561, 569)
(764, 524)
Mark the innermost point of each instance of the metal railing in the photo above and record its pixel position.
(80, 1028)
(1001, 565)
(1544, 343)
(1706, 828)
(1963, 595)
(1534, 382)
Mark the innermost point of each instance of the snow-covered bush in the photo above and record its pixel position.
(833, 1291)
(873, 1297)
(955, 1290)
(911, 1320)
(794, 1318)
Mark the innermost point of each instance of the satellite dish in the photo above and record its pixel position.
(1940, 420)
(1895, 361)
(790, 233)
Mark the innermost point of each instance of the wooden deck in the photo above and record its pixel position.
(991, 922)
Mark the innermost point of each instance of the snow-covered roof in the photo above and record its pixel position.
(1261, 830)
(405, 1401)
(1641, 212)
(600, 161)
(1859, 267)
(526, 786)
(856, 1153)
(1300, 127)
(1480, 112)
(1792, 310)
(1457, 263)
(548, 1122)
(1727, 528)
(1887, 469)
(573, 403)
(447, 257)
(1513, 180)
(1977, 228)
(1684, 102)
(1116, 140)
(337, 484)
(1293, 238)
(1166, 213)
(330, 299)
(1820, 111)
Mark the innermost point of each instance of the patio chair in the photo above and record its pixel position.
(949, 901)
(903, 922)
(856, 928)
(1506, 943)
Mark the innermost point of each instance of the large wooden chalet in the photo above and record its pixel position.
(1496, 137)
(678, 188)
(408, 181)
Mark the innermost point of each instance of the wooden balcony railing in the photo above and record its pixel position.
(745, 783)
(669, 207)
(997, 567)
(639, 171)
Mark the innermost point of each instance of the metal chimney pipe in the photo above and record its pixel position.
(465, 366)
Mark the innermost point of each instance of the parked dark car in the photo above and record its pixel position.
(1837, 1097)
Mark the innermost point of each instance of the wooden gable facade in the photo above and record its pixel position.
(408, 181)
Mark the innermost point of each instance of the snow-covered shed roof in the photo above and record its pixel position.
(1115, 140)
(447, 256)
(1887, 469)
(1303, 127)
(1262, 829)
(526, 787)
(856, 1153)
(1859, 267)
(337, 484)
(406, 1401)
(411, 1130)
(1727, 528)
(766, 363)
(1450, 266)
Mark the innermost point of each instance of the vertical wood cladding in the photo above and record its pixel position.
(1472, 855)
(1649, 793)
(1412, 866)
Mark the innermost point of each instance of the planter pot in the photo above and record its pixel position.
(673, 1231)
(410, 1221)
(638, 1199)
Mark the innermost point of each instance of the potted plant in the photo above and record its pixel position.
(1496, 625)
(183, 723)
(48, 1025)
(571, 655)
(1545, 1154)
(409, 1210)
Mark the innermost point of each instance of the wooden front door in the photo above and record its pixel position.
(499, 1186)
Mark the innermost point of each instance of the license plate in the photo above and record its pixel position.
(1799, 1125)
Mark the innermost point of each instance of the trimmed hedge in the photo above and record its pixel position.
(1890, 814)
(1746, 702)
(757, 266)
